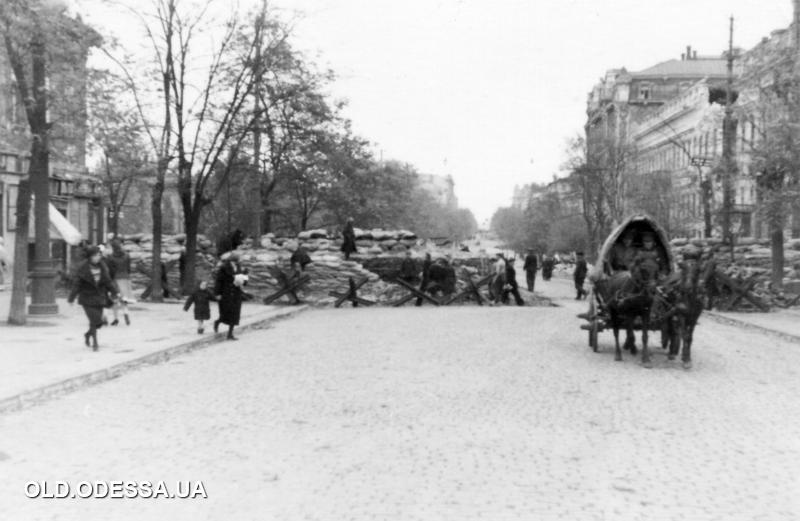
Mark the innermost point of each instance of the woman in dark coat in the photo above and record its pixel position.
(95, 289)
(119, 267)
(426, 276)
(228, 288)
(349, 236)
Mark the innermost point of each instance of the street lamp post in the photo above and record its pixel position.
(728, 150)
(43, 275)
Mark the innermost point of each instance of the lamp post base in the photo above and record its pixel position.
(43, 289)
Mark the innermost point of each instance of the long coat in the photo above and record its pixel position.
(89, 292)
(230, 295)
(531, 263)
(349, 236)
(579, 275)
(119, 266)
(200, 299)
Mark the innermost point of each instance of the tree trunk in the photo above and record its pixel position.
(115, 221)
(776, 244)
(16, 314)
(265, 218)
(156, 295)
(191, 222)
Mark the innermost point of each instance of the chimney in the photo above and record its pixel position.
(683, 56)
(688, 52)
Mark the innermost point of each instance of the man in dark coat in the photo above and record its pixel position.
(228, 289)
(548, 263)
(95, 290)
(442, 277)
(511, 285)
(623, 253)
(349, 236)
(530, 267)
(408, 269)
(426, 276)
(579, 275)
(300, 259)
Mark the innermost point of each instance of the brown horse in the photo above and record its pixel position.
(680, 302)
(628, 297)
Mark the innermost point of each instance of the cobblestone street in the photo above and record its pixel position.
(421, 413)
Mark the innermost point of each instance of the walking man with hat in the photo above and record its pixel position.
(530, 267)
(579, 275)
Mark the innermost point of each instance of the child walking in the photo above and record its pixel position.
(202, 310)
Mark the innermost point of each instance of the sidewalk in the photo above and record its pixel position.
(782, 322)
(47, 356)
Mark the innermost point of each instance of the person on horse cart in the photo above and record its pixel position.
(649, 258)
(622, 255)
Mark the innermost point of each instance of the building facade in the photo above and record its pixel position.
(669, 118)
(442, 188)
(73, 192)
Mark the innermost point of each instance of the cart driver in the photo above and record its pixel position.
(622, 255)
(650, 255)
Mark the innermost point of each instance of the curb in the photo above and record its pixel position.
(39, 395)
(749, 325)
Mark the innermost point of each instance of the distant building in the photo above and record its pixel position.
(442, 188)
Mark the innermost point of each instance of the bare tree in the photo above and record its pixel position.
(115, 133)
(598, 190)
(157, 124)
(46, 50)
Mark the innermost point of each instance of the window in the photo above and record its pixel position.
(644, 91)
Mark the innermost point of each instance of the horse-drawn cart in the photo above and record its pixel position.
(619, 287)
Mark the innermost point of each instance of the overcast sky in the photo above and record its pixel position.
(490, 91)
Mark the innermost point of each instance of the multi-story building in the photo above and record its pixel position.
(766, 70)
(668, 119)
(622, 98)
(72, 192)
(677, 148)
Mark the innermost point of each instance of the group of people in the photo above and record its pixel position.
(228, 292)
(101, 281)
(504, 283)
(626, 255)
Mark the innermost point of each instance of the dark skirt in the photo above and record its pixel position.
(95, 315)
(230, 308)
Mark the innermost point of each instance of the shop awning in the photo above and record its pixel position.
(64, 228)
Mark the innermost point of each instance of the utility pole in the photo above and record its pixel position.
(728, 150)
(258, 78)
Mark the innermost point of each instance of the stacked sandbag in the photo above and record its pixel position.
(140, 249)
(751, 260)
(380, 254)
